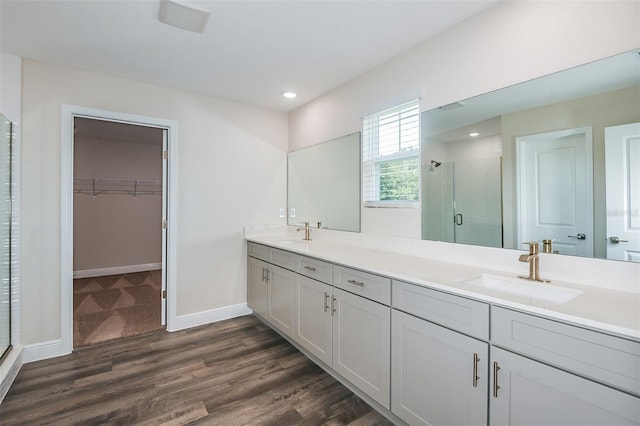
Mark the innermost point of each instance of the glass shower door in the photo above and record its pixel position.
(462, 202)
(5, 236)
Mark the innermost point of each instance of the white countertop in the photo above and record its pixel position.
(600, 308)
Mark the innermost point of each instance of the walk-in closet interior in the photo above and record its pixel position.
(117, 230)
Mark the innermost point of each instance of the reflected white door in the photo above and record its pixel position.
(555, 190)
(622, 163)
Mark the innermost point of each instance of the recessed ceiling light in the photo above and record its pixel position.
(473, 134)
(289, 95)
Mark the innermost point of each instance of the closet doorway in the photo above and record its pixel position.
(119, 232)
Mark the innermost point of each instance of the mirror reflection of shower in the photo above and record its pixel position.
(463, 201)
(434, 164)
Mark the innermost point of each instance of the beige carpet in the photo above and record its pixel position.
(116, 306)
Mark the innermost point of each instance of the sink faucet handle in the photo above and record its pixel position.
(534, 247)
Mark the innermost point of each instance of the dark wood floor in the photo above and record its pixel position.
(234, 372)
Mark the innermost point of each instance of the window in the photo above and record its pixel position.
(391, 157)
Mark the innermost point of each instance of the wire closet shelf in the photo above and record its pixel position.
(98, 186)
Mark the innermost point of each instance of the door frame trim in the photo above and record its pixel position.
(69, 112)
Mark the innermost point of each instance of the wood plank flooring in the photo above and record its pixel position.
(234, 372)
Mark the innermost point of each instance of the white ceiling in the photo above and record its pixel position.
(250, 51)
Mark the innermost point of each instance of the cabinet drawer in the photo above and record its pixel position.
(258, 251)
(283, 258)
(316, 269)
(368, 285)
(457, 313)
(598, 356)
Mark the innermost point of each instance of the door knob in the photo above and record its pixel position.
(578, 236)
(616, 240)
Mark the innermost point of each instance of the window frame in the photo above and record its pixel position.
(371, 163)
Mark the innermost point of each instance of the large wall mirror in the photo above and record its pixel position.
(556, 158)
(324, 184)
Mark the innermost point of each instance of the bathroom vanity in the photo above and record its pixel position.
(432, 342)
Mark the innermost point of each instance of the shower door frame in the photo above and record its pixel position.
(5, 353)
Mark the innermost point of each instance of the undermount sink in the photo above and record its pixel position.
(535, 290)
(302, 245)
(293, 242)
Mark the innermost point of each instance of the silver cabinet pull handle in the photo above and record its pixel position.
(264, 274)
(616, 240)
(578, 236)
(458, 219)
(476, 359)
(310, 268)
(326, 301)
(496, 367)
(354, 282)
(333, 305)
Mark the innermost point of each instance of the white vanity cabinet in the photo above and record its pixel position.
(526, 392)
(439, 376)
(548, 372)
(424, 355)
(314, 320)
(349, 330)
(281, 299)
(271, 291)
(361, 344)
(349, 333)
(258, 287)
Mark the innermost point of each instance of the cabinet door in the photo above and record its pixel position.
(361, 344)
(531, 393)
(257, 287)
(313, 329)
(433, 370)
(281, 299)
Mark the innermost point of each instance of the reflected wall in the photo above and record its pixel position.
(324, 184)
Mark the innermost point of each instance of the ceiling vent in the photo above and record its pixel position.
(451, 106)
(182, 16)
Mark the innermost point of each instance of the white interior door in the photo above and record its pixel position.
(622, 164)
(165, 192)
(555, 190)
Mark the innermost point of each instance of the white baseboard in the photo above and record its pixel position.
(9, 370)
(207, 317)
(116, 270)
(53, 348)
(44, 350)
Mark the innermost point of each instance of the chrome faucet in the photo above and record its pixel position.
(534, 263)
(307, 231)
